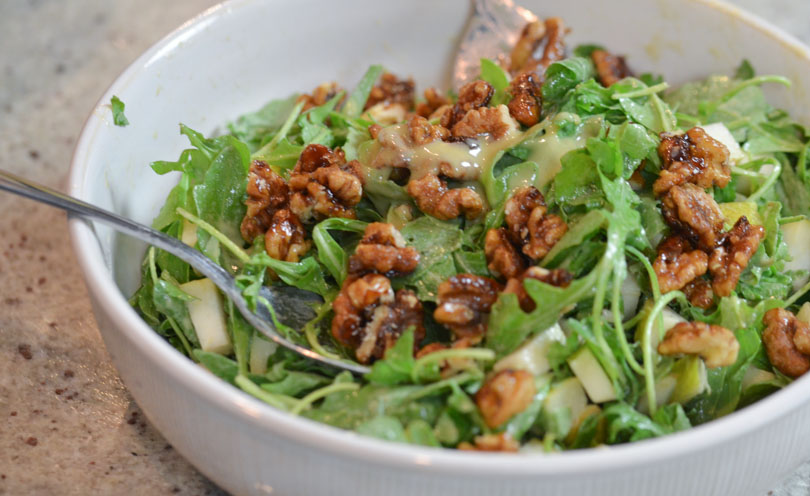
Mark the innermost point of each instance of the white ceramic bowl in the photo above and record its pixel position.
(235, 57)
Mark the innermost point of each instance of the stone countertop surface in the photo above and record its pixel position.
(67, 423)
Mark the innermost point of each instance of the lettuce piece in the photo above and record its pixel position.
(117, 107)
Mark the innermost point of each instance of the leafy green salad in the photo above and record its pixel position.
(559, 255)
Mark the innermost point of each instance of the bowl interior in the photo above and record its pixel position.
(243, 53)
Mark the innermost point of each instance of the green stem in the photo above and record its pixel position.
(482, 354)
(648, 267)
(314, 396)
(798, 294)
(777, 170)
(252, 389)
(658, 104)
(215, 233)
(619, 328)
(651, 90)
(646, 348)
(182, 338)
(311, 332)
(152, 267)
(791, 219)
(262, 152)
(437, 386)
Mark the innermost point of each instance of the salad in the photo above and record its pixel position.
(560, 255)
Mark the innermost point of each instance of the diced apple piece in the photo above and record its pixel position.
(260, 351)
(207, 316)
(797, 239)
(720, 132)
(631, 292)
(663, 391)
(564, 403)
(754, 376)
(734, 210)
(669, 318)
(804, 313)
(532, 356)
(692, 380)
(592, 376)
(189, 234)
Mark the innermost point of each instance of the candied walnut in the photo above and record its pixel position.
(527, 99)
(690, 209)
(529, 224)
(434, 198)
(530, 38)
(370, 317)
(694, 157)
(285, 238)
(464, 302)
(505, 394)
(323, 185)
(699, 293)
(609, 68)
(554, 48)
(433, 102)
(503, 259)
(320, 95)
(783, 331)
(423, 132)
(555, 277)
(716, 345)
(391, 89)
(383, 250)
(266, 192)
(678, 264)
(501, 442)
(485, 121)
(473, 95)
(729, 260)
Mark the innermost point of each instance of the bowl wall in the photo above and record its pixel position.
(236, 57)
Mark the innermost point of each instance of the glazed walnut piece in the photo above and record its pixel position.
(731, 258)
(693, 211)
(320, 95)
(529, 224)
(285, 238)
(609, 68)
(266, 193)
(422, 132)
(678, 264)
(694, 157)
(492, 122)
(505, 394)
(530, 38)
(323, 185)
(391, 89)
(527, 101)
(699, 293)
(383, 250)
(434, 198)
(787, 342)
(370, 317)
(501, 442)
(503, 259)
(463, 304)
(433, 102)
(473, 95)
(560, 278)
(716, 345)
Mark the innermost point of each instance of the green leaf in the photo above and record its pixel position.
(436, 241)
(396, 366)
(745, 71)
(564, 76)
(357, 100)
(383, 427)
(117, 106)
(330, 253)
(222, 367)
(257, 127)
(498, 78)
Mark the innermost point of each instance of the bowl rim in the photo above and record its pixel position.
(322, 437)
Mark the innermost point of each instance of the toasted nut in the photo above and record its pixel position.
(694, 157)
(485, 121)
(786, 342)
(530, 38)
(422, 132)
(501, 442)
(464, 302)
(370, 317)
(391, 89)
(730, 259)
(383, 250)
(690, 209)
(320, 95)
(699, 293)
(610, 68)
(502, 256)
(677, 264)
(529, 224)
(505, 394)
(433, 101)
(527, 100)
(434, 198)
(285, 238)
(267, 192)
(716, 345)
(473, 95)
(323, 185)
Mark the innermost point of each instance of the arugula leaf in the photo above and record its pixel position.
(498, 78)
(117, 107)
(564, 76)
(436, 241)
(357, 100)
(397, 365)
(255, 128)
(330, 253)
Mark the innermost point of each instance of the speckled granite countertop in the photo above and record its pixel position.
(67, 424)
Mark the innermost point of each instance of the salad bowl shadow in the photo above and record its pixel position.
(233, 58)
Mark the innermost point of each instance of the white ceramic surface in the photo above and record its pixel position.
(235, 57)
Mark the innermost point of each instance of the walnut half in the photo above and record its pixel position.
(715, 344)
(505, 394)
(729, 260)
(678, 264)
(383, 250)
(464, 302)
(529, 224)
(694, 157)
(787, 342)
(323, 185)
(434, 198)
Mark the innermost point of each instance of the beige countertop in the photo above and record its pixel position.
(67, 424)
